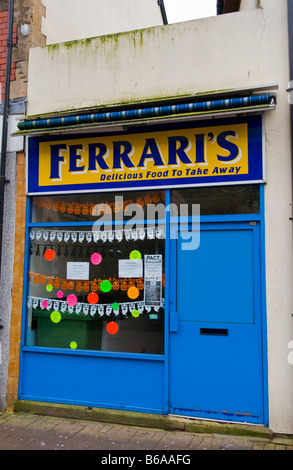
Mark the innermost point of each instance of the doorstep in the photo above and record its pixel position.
(129, 418)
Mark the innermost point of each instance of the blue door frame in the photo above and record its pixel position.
(152, 391)
(215, 345)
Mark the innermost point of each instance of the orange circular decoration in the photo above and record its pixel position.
(93, 298)
(49, 254)
(133, 292)
(112, 328)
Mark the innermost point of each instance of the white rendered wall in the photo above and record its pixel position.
(248, 4)
(67, 20)
(243, 49)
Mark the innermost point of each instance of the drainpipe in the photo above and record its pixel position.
(290, 90)
(3, 181)
(163, 11)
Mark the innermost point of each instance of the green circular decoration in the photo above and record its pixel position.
(115, 306)
(135, 254)
(73, 345)
(49, 287)
(55, 316)
(105, 286)
(135, 313)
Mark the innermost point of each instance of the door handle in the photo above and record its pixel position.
(174, 323)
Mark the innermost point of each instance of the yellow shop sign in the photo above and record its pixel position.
(195, 156)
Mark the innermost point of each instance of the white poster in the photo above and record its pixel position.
(130, 268)
(76, 270)
(153, 280)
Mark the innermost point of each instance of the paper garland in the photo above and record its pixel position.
(72, 207)
(74, 236)
(82, 308)
(87, 286)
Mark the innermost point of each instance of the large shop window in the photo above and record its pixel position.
(93, 287)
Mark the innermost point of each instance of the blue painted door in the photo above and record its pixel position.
(215, 321)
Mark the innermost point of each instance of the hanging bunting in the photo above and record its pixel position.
(89, 208)
(85, 308)
(103, 235)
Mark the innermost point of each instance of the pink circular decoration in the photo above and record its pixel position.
(60, 294)
(45, 303)
(96, 258)
(71, 300)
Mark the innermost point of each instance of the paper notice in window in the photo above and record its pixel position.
(130, 267)
(153, 280)
(78, 270)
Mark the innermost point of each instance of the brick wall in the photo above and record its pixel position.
(3, 50)
(17, 283)
(26, 12)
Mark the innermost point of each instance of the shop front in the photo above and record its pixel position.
(144, 270)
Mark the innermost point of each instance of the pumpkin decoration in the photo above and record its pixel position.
(123, 285)
(115, 285)
(140, 284)
(56, 283)
(86, 286)
(78, 286)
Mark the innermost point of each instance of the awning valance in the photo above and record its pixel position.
(135, 116)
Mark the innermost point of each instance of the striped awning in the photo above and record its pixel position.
(194, 109)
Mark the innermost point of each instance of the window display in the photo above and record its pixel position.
(86, 284)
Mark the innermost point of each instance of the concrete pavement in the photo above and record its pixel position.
(28, 431)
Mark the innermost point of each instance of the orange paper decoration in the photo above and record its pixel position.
(49, 254)
(93, 298)
(112, 328)
(133, 292)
